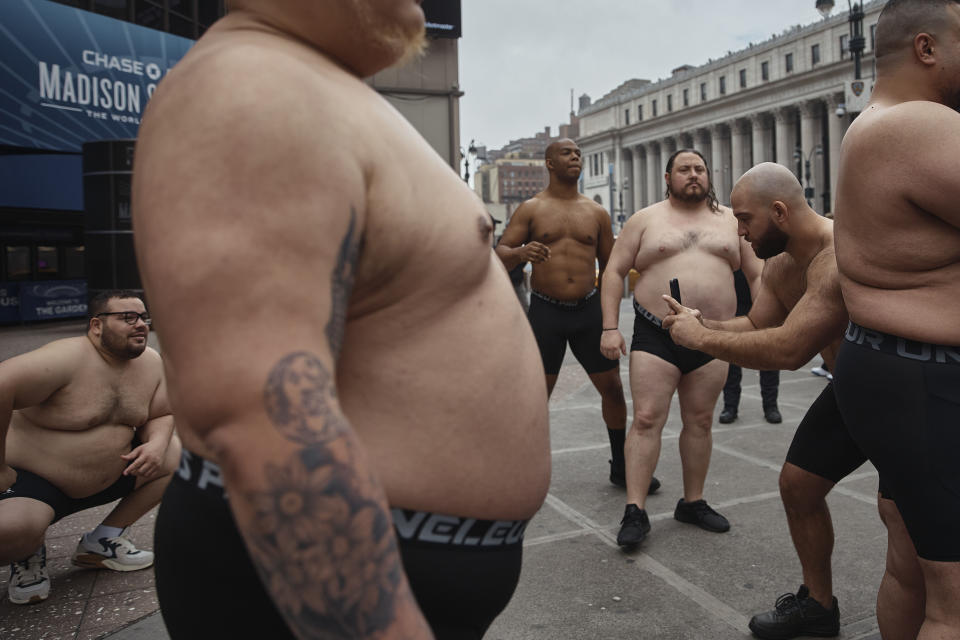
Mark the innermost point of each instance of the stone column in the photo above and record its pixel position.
(739, 141)
(836, 127)
(762, 147)
(654, 174)
(809, 128)
(784, 118)
(717, 161)
(636, 182)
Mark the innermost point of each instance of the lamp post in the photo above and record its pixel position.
(472, 149)
(855, 18)
(797, 157)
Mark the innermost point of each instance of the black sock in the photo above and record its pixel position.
(616, 446)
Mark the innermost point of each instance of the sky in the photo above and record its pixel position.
(520, 58)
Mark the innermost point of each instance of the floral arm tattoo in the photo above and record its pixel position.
(320, 534)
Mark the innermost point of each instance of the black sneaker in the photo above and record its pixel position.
(699, 513)
(634, 527)
(618, 477)
(797, 615)
(728, 415)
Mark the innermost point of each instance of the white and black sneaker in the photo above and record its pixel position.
(29, 580)
(116, 553)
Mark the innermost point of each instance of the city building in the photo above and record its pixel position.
(787, 100)
(76, 78)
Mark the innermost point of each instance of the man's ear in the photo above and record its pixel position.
(781, 214)
(924, 47)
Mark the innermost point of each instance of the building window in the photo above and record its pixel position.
(723, 85)
(788, 60)
(743, 78)
(686, 97)
(639, 112)
(653, 108)
(815, 54)
(765, 71)
(844, 47)
(703, 92)
(626, 116)
(669, 103)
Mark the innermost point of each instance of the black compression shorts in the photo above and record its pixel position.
(30, 485)
(650, 336)
(555, 322)
(462, 571)
(901, 402)
(822, 445)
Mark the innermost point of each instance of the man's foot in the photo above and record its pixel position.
(634, 527)
(797, 615)
(822, 372)
(699, 513)
(618, 476)
(728, 415)
(116, 553)
(772, 414)
(29, 580)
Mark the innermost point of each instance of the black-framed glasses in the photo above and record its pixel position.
(130, 317)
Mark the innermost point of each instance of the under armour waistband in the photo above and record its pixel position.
(640, 311)
(572, 304)
(200, 473)
(902, 347)
(432, 528)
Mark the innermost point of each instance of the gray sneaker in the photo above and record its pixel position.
(29, 580)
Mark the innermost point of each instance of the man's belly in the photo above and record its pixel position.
(564, 277)
(706, 283)
(79, 463)
(930, 314)
(453, 412)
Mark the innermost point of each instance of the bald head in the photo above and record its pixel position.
(768, 182)
(554, 147)
(902, 20)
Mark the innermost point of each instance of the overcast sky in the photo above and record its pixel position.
(520, 58)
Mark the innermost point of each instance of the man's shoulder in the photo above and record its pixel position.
(904, 121)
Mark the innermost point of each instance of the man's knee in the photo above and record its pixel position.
(647, 420)
(802, 491)
(23, 524)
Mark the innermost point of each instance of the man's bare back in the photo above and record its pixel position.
(75, 437)
(898, 231)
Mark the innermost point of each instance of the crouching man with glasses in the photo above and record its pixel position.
(83, 421)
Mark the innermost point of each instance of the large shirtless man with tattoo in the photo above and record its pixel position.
(566, 235)
(690, 237)
(83, 422)
(379, 425)
(799, 311)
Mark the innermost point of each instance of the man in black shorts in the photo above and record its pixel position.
(798, 311)
(567, 237)
(898, 253)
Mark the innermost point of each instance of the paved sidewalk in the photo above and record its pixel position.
(683, 583)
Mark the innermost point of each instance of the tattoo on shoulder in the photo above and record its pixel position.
(342, 284)
(321, 541)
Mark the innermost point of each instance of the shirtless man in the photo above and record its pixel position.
(564, 234)
(798, 311)
(688, 236)
(380, 426)
(83, 422)
(898, 253)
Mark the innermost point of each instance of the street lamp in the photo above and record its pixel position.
(855, 18)
(472, 149)
(797, 157)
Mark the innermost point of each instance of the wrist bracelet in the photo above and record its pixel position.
(614, 329)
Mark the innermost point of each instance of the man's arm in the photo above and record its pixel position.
(752, 268)
(146, 459)
(514, 248)
(622, 256)
(229, 222)
(604, 242)
(817, 320)
(29, 379)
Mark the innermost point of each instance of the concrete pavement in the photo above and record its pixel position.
(682, 583)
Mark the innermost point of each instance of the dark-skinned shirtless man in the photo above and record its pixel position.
(565, 235)
(379, 424)
(691, 237)
(798, 311)
(897, 240)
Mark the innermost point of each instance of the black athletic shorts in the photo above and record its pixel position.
(650, 336)
(30, 485)
(555, 322)
(822, 445)
(462, 571)
(901, 402)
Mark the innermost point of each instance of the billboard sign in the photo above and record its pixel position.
(443, 18)
(69, 76)
(53, 299)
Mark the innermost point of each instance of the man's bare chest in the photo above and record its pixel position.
(552, 226)
(87, 403)
(712, 237)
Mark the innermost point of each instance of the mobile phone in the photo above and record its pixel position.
(675, 290)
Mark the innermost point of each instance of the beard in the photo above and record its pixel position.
(119, 346)
(685, 194)
(772, 243)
